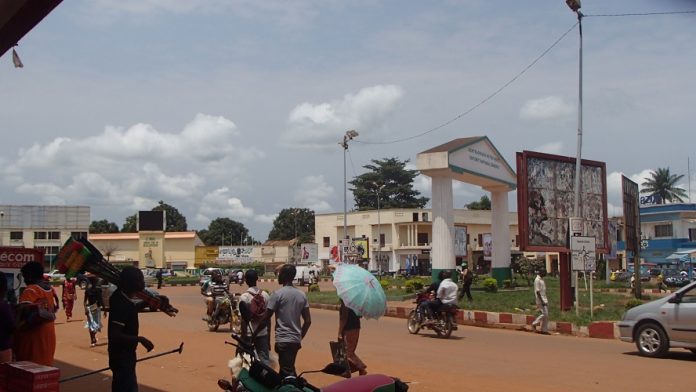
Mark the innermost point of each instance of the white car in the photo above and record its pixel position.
(659, 325)
(55, 275)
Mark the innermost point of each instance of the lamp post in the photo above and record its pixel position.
(379, 188)
(346, 138)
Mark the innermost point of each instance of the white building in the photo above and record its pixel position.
(44, 227)
(405, 236)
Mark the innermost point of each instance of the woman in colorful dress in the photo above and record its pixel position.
(69, 296)
(93, 307)
(37, 343)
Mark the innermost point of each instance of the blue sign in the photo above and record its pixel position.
(650, 200)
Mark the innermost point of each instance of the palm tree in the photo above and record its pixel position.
(663, 184)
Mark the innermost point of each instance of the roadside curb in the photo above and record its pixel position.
(513, 321)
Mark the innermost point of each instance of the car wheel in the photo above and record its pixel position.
(651, 340)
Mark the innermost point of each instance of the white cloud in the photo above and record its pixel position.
(313, 193)
(323, 124)
(265, 218)
(546, 108)
(550, 148)
(220, 203)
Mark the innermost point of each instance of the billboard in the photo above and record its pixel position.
(460, 241)
(12, 259)
(362, 248)
(631, 212)
(235, 254)
(309, 253)
(151, 221)
(546, 197)
(487, 246)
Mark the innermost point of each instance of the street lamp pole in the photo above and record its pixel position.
(346, 138)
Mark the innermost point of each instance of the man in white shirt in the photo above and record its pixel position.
(446, 293)
(542, 303)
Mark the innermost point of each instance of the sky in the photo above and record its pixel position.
(234, 108)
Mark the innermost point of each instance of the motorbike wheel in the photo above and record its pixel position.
(444, 326)
(236, 322)
(412, 322)
(213, 325)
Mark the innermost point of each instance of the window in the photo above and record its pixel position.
(39, 235)
(415, 217)
(76, 235)
(16, 235)
(422, 239)
(480, 239)
(381, 240)
(663, 230)
(50, 252)
(425, 217)
(692, 234)
(517, 240)
(54, 235)
(327, 242)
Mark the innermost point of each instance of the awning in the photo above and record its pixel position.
(682, 255)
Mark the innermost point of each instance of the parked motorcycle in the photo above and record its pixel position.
(254, 376)
(226, 311)
(443, 323)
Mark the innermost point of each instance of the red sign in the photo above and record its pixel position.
(13, 257)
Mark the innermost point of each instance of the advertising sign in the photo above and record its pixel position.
(487, 246)
(546, 198)
(236, 254)
(460, 241)
(631, 213)
(12, 259)
(310, 253)
(362, 248)
(583, 256)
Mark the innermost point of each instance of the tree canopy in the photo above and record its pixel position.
(225, 231)
(130, 225)
(103, 226)
(293, 222)
(390, 179)
(664, 184)
(483, 204)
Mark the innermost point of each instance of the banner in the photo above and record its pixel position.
(487, 246)
(236, 254)
(362, 248)
(12, 259)
(309, 253)
(631, 213)
(460, 241)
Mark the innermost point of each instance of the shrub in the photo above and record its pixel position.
(385, 283)
(507, 284)
(412, 285)
(490, 285)
(313, 288)
(632, 303)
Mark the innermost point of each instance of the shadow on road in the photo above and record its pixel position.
(95, 382)
(683, 356)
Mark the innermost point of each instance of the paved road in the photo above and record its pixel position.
(476, 359)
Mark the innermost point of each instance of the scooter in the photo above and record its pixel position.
(255, 376)
(443, 323)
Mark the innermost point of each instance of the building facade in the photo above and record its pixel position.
(148, 249)
(43, 227)
(398, 239)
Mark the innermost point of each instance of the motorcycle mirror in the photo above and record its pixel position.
(334, 369)
(244, 311)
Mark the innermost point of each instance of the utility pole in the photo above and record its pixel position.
(346, 138)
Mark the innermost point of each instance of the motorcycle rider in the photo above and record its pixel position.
(431, 291)
(212, 289)
(446, 292)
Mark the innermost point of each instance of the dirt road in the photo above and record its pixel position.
(473, 359)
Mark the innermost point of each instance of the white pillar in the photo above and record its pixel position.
(500, 228)
(442, 253)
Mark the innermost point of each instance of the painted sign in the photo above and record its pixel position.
(583, 256)
(361, 248)
(546, 198)
(487, 246)
(481, 158)
(235, 254)
(12, 259)
(650, 200)
(460, 241)
(631, 213)
(309, 253)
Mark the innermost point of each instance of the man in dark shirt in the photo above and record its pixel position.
(123, 331)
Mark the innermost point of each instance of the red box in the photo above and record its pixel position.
(28, 376)
(3, 377)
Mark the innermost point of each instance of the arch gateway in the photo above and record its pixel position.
(473, 160)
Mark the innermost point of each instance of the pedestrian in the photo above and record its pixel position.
(349, 332)
(256, 301)
(7, 323)
(93, 307)
(240, 277)
(69, 295)
(123, 331)
(633, 281)
(542, 303)
(467, 279)
(37, 342)
(660, 282)
(293, 319)
(159, 278)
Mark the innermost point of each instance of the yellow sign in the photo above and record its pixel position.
(362, 247)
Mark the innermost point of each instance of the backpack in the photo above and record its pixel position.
(257, 307)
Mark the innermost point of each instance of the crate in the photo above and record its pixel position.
(25, 376)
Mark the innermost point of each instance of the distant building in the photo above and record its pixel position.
(149, 249)
(43, 227)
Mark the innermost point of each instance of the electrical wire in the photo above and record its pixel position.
(642, 14)
(488, 98)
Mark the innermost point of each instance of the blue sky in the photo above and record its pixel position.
(233, 108)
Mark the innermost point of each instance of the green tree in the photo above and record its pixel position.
(483, 204)
(662, 183)
(130, 225)
(293, 222)
(225, 231)
(395, 181)
(103, 226)
(175, 221)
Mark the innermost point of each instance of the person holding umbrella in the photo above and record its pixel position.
(349, 333)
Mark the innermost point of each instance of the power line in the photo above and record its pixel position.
(488, 98)
(642, 14)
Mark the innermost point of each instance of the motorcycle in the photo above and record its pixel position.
(226, 311)
(255, 376)
(443, 323)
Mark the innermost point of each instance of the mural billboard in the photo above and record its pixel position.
(235, 254)
(545, 199)
(487, 246)
(310, 253)
(460, 241)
